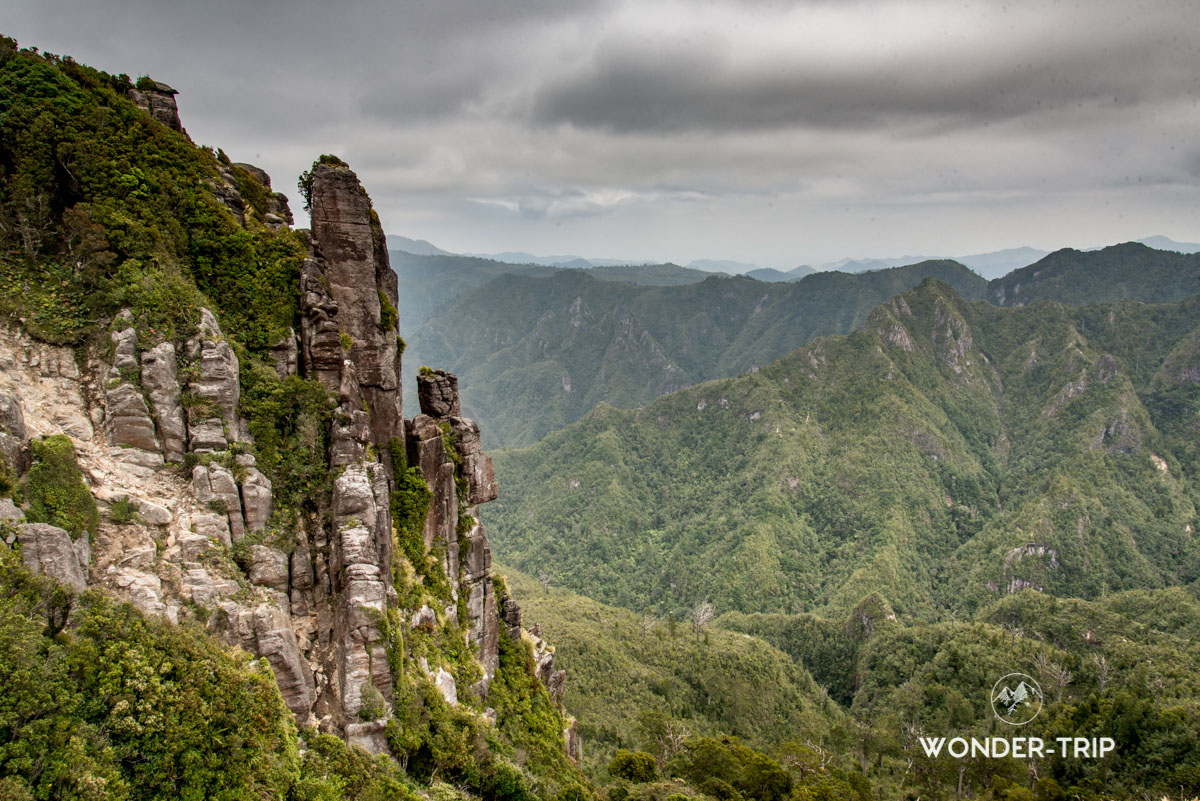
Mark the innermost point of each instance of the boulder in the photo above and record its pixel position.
(256, 497)
(268, 567)
(437, 393)
(217, 491)
(48, 550)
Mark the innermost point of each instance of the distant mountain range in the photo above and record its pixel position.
(537, 347)
(990, 265)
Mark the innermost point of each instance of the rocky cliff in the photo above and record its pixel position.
(191, 527)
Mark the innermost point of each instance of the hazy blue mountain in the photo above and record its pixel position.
(1164, 243)
(649, 274)
(723, 266)
(767, 275)
(1001, 262)
(418, 247)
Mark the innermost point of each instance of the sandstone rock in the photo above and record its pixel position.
(125, 358)
(510, 613)
(368, 736)
(437, 392)
(83, 552)
(9, 510)
(158, 100)
(301, 581)
(154, 514)
(351, 431)
(573, 743)
(277, 204)
(212, 526)
(12, 432)
(321, 348)
(276, 642)
(161, 383)
(285, 355)
(193, 545)
(206, 589)
(445, 685)
(425, 442)
(144, 590)
(215, 489)
(129, 422)
(342, 233)
(476, 465)
(354, 272)
(48, 550)
(256, 498)
(358, 511)
(213, 423)
(557, 685)
(268, 567)
(226, 192)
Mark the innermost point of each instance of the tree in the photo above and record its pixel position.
(635, 766)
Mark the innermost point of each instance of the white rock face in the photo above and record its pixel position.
(48, 550)
(215, 385)
(161, 383)
(445, 685)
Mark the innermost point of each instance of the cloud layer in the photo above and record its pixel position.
(753, 130)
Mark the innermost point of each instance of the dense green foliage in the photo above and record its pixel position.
(537, 348)
(945, 455)
(102, 207)
(54, 490)
(625, 672)
(120, 707)
(1120, 667)
(1130, 271)
(526, 369)
(290, 421)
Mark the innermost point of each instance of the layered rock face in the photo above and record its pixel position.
(158, 100)
(447, 449)
(307, 591)
(352, 280)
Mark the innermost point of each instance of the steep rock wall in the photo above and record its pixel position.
(158, 428)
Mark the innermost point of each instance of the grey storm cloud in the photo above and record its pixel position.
(627, 87)
(680, 129)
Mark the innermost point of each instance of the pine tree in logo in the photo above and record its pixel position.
(1016, 699)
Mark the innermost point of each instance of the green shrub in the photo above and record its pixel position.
(634, 766)
(373, 706)
(123, 511)
(54, 488)
(388, 316)
(8, 478)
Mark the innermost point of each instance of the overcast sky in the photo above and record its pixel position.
(775, 132)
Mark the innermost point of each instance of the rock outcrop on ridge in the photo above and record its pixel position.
(158, 430)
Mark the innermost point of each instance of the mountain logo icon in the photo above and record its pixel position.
(1016, 699)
